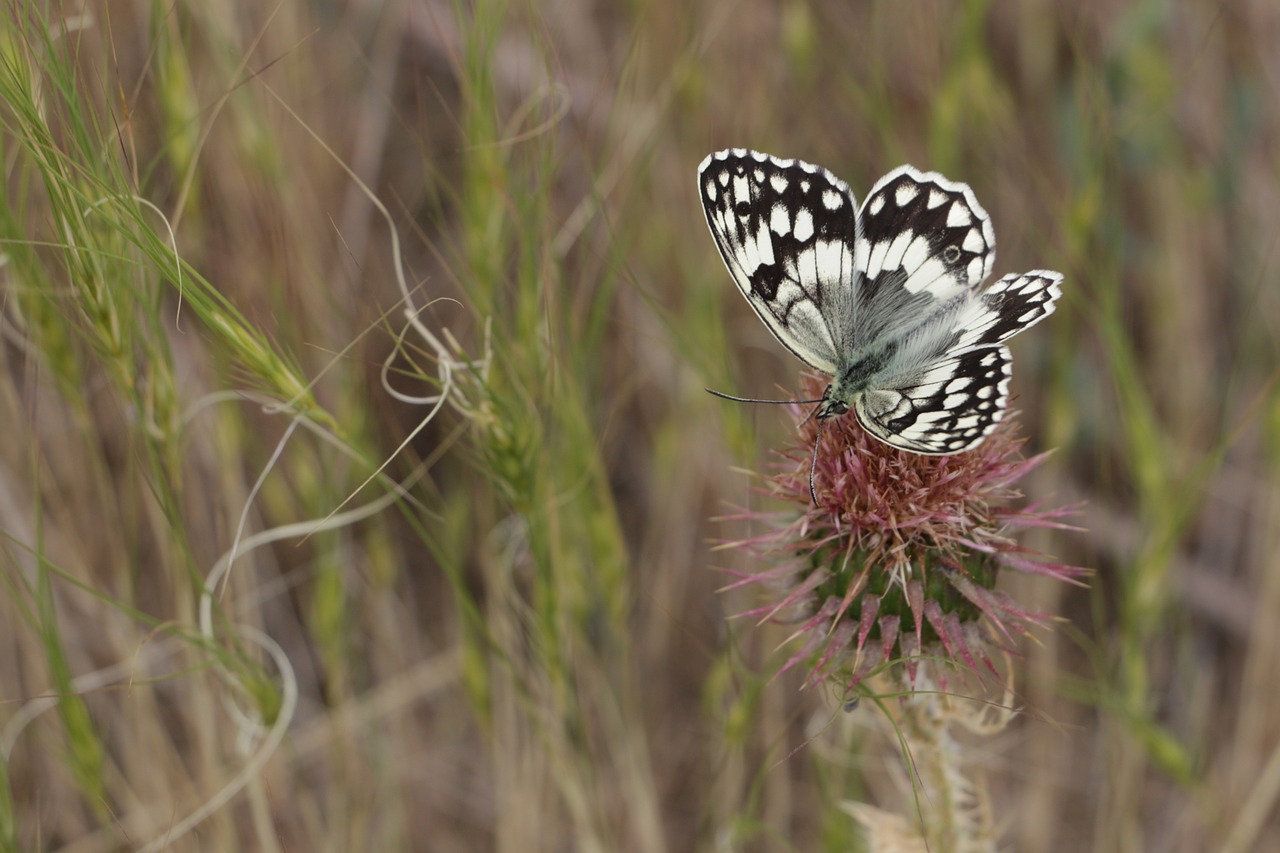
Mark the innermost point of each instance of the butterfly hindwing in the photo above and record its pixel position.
(949, 407)
(1010, 305)
(786, 230)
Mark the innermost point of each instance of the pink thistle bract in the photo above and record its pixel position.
(899, 556)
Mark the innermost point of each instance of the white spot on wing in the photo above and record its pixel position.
(941, 373)
(958, 215)
(893, 256)
(741, 188)
(778, 181)
(876, 205)
(729, 224)
(861, 251)
(925, 275)
(916, 254)
(903, 194)
(832, 200)
(779, 221)
(830, 258)
(764, 244)
(806, 265)
(936, 198)
(973, 241)
(710, 190)
(750, 255)
(875, 262)
(804, 225)
(924, 392)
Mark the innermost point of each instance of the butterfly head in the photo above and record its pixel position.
(831, 405)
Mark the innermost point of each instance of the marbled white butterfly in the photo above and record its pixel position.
(886, 299)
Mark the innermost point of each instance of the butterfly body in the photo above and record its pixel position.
(887, 299)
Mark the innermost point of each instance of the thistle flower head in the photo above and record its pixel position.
(899, 556)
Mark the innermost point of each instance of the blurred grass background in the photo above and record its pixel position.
(527, 650)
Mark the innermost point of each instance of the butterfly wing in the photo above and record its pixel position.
(926, 245)
(949, 407)
(786, 230)
(925, 250)
(1014, 303)
(895, 284)
(952, 401)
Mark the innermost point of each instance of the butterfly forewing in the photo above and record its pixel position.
(786, 230)
(926, 245)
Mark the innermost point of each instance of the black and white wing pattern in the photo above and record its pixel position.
(960, 398)
(949, 408)
(926, 244)
(786, 230)
(888, 300)
(952, 403)
(1012, 304)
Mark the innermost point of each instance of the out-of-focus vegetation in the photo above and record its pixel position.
(261, 593)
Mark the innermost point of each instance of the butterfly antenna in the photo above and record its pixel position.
(724, 396)
(813, 463)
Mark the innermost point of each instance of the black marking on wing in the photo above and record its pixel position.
(948, 408)
(1014, 303)
(926, 244)
(786, 231)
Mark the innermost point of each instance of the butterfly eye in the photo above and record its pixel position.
(951, 254)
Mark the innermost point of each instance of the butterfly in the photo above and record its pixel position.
(886, 299)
